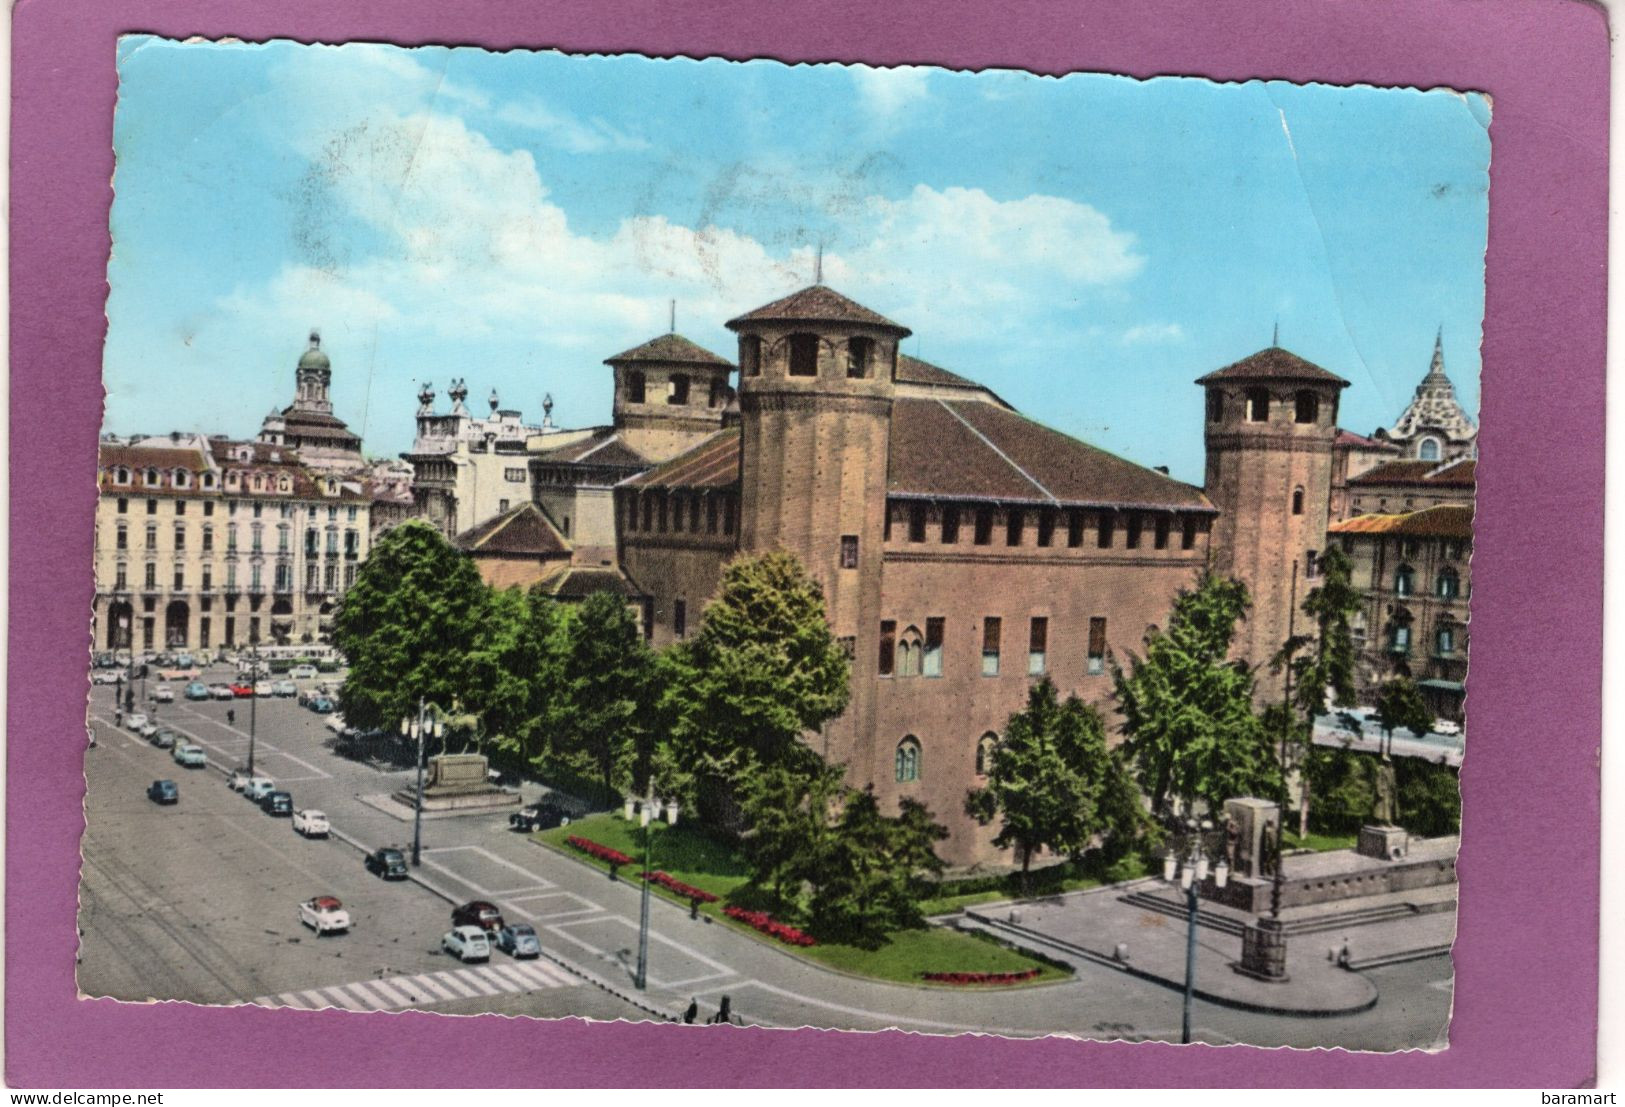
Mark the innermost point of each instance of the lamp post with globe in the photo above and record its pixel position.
(1191, 872)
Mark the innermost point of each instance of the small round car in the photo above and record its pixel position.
(467, 943)
(324, 915)
(519, 941)
(163, 792)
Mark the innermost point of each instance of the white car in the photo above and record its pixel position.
(467, 943)
(335, 723)
(147, 729)
(324, 915)
(220, 691)
(163, 694)
(302, 672)
(1446, 727)
(259, 787)
(310, 822)
(104, 676)
(264, 688)
(189, 755)
(135, 721)
(238, 780)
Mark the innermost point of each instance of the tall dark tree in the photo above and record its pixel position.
(608, 694)
(873, 870)
(1400, 704)
(1052, 784)
(1188, 709)
(762, 671)
(407, 627)
(790, 814)
(516, 673)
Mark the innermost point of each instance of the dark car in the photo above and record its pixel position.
(277, 803)
(478, 913)
(541, 816)
(163, 791)
(387, 863)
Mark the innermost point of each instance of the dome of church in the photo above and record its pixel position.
(313, 358)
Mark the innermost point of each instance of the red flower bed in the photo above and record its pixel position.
(687, 891)
(979, 977)
(603, 853)
(762, 921)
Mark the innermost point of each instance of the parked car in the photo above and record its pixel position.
(467, 943)
(321, 705)
(259, 787)
(284, 688)
(264, 688)
(220, 692)
(335, 723)
(540, 816)
(242, 691)
(478, 913)
(163, 791)
(277, 803)
(164, 738)
(237, 780)
(147, 729)
(303, 672)
(184, 661)
(310, 822)
(1446, 727)
(388, 863)
(135, 720)
(191, 756)
(197, 690)
(519, 940)
(103, 661)
(105, 676)
(324, 915)
(162, 693)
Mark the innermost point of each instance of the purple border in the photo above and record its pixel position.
(1527, 956)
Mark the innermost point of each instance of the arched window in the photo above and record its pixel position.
(208, 480)
(1444, 638)
(677, 389)
(634, 387)
(1258, 405)
(750, 355)
(121, 475)
(180, 478)
(1428, 449)
(1404, 581)
(1399, 635)
(152, 478)
(908, 760)
(1215, 405)
(1297, 501)
(985, 747)
(1306, 406)
(1448, 584)
(859, 354)
(803, 355)
(909, 648)
(283, 484)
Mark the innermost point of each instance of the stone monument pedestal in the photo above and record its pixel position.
(1263, 952)
(457, 782)
(1385, 843)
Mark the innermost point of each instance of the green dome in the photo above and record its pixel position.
(313, 358)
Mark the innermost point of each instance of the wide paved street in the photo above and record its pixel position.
(197, 901)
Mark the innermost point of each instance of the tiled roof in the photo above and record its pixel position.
(817, 304)
(670, 347)
(714, 463)
(970, 450)
(1360, 441)
(911, 370)
(1273, 363)
(578, 584)
(604, 448)
(150, 457)
(1453, 474)
(523, 531)
(1446, 521)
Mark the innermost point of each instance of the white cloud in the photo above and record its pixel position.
(590, 136)
(887, 93)
(1150, 333)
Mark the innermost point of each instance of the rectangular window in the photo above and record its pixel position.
(950, 525)
(208, 577)
(254, 629)
(693, 516)
(679, 618)
(1187, 537)
(886, 534)
(710, 515)
(888, 647)
(231, 576)
(208, 538)
(152, 507)
(258, 508)
(282, 539)
(933, 647)
(152, 575)
(990, 646)
(1037, 646)
(208, 507)
(152, 536)
(1311, 564)
(1162, 532)
(1132, 539)
(350, 513)
(1097, 646)
(123, 505)
(502, 505)
(231, 631)
(916, 522)
(513, 476)
(1013, 521)
(1446, 641)
(984, 525)
(1402, 639)
(255, 584)
(349, 576)
(1046, 527)
(203, 631)
(284, 578)
(123, 539)
(311, 573)
(180, 578)
(180, 507)
(849, 551)
(1103, 535)
(121, 578)
(254, 542)
(330, 577)
(332, 543)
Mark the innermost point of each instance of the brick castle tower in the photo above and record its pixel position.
(1271, 419)
(816, 383)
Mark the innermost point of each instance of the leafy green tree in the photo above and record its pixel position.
(1400, 704)
(607, 711)
(516, 673)
(1048, 778)
(873, 870)
(790, 825)
(1429, 797)
(407, 627)
(1187, 708)
(762, 671)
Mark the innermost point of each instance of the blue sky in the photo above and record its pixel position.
(1086, 246)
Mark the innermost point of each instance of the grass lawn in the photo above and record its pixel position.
(695, 859)
(1319, 842)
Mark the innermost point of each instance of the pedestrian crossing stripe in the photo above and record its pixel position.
(391, 993)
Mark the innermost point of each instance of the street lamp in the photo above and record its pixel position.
(641, 979)
(1191, 874)
(423, 726)
(253, 700)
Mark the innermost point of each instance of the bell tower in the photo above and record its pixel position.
(1271, 420)
(817, 376)
(313, 377)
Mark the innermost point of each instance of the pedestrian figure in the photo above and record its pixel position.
(231, 717)
(693, 1011)
(118, 717)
